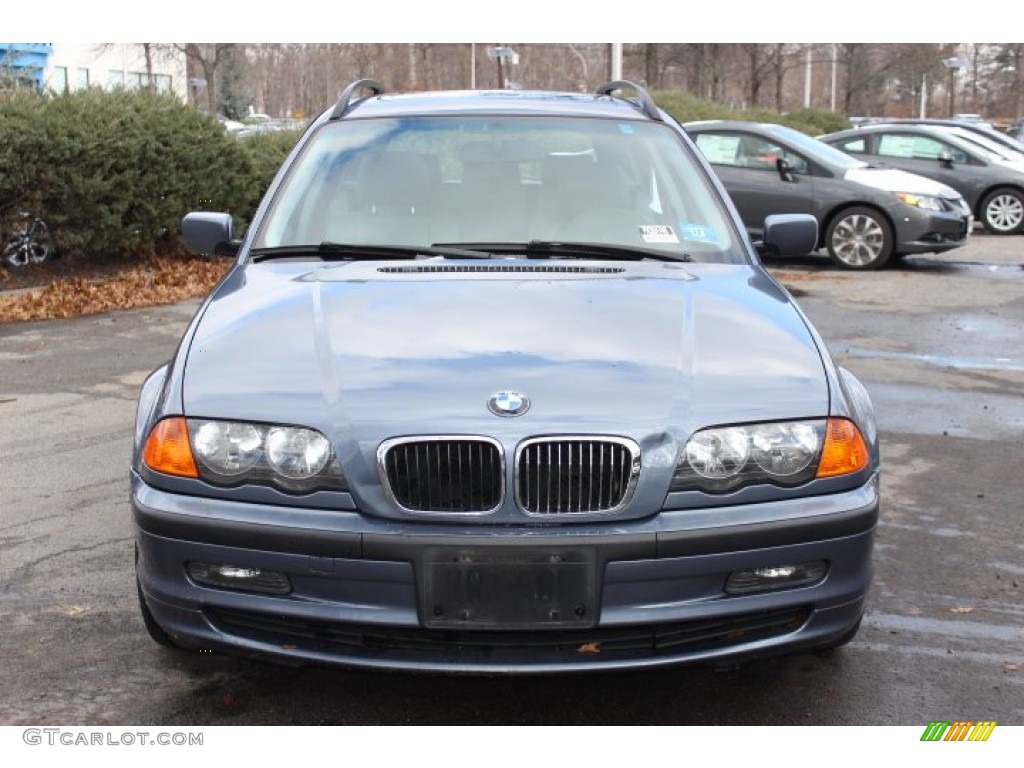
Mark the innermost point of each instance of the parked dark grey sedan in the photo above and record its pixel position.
(992, 181)
(865, 215)
(497, 384)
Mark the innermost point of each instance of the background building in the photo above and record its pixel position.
(63, 67)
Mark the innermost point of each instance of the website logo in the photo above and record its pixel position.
(959, 730)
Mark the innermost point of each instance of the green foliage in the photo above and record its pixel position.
(686, 107)
(232, 97)
(818, 121)
(114, 172)
(267, 152)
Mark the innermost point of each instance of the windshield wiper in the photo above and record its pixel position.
(329, 250)
(542, 249)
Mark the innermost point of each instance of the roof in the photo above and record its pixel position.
(495, 102)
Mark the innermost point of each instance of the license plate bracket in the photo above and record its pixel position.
(508, 588)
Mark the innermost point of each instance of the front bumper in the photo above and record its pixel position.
(919, 231)
(357, 585)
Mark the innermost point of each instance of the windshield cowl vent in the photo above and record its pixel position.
(502, 269)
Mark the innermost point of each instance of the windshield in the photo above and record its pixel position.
(423, 180)
(988, 147)
(816, 149)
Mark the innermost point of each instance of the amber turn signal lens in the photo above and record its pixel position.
(167, 449)
(844, 451)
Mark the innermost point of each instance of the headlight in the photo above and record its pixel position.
(232, 453)
(920, 201)
(297, 453)
(226, 448)
(787, 453)
(717, 454)
(784, 450)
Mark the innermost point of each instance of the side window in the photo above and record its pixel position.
(854, 146)
(745, 150)
(759, 152)
(720, 149)
(909, 147)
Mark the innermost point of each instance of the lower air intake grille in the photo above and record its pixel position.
(450, 474)
(651, 641)
(575, 475)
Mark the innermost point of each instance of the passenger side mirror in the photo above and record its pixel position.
(788, 234)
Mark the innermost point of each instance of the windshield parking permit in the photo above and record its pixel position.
(658, 233)
(698, 233)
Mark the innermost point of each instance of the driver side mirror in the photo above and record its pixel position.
(786, 172)
(788, 234)
(945, 159)
(209, 234)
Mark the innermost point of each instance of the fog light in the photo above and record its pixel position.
(236, 577)
(776, 577)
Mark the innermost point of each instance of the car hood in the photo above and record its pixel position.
(1008, 162)
(649, 351)
(894, 180)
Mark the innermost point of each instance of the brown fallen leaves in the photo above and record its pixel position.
(143, 283)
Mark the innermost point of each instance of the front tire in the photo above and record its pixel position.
(1002, 212)
(859, 238)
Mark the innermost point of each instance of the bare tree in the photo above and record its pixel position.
(207, 58)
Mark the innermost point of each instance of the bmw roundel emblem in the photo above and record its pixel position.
(508, 403)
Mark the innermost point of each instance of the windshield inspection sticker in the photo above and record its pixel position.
(658, 233)
(697, 233)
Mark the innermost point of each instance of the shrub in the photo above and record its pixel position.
(685, 107)
(113, 172)
(267, 152)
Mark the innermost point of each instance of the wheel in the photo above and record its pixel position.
(29, 244)
(859, 238)
(1002, 212)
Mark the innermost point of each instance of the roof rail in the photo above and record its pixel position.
(345, 103)
(646, 103)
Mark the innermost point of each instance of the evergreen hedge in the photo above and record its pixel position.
(685, 107)
(113, 172)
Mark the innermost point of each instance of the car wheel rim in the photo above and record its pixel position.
(858, 240)
(16, 254)
(1005, 212)
(38, 252)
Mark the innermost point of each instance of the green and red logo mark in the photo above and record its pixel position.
(960, 730)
